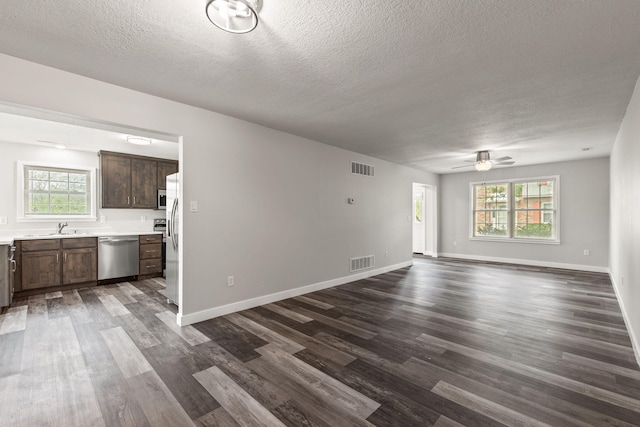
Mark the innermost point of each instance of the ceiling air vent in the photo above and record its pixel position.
(362, 169)
(363, 263)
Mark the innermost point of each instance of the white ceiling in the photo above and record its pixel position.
(416, 82)
(30, 126)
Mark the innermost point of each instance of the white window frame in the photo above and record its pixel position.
(20, 190)
(510, 238)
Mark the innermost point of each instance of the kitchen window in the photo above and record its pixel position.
(524, 210)
(53, 192)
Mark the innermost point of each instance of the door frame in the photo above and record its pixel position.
(430, 210)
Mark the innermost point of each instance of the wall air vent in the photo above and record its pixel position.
(362, 169)
(363, 263)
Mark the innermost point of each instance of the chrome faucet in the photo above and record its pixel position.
(61, 225)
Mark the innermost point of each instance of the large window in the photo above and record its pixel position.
(55, 192)
(519, 209)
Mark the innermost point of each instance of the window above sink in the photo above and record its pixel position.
(55, 192)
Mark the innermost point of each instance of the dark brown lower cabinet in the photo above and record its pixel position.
(80, 265)
(47, 263)
(40, 269)
(151, 255)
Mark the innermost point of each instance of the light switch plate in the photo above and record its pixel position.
(193, 206)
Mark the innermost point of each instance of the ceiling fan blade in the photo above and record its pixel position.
(464, 166)
(502, 159)
(504, 163)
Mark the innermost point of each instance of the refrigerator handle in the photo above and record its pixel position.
(174, 209)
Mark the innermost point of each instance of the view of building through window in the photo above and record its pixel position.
(516, 209)
(491, 209)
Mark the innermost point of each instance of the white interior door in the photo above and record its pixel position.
(419, 230)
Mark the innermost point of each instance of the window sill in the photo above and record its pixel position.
(516, 240)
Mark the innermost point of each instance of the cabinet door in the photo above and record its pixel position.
(79, 265)
(40, 269)
(144, 181)
(116, 181)
(164, 169)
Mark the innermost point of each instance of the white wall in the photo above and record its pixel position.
(116, 219)
(584, 217)
(625, 227)
(272, 206)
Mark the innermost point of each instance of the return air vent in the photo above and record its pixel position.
(363, 263)
(362, 169)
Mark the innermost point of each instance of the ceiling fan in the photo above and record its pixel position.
(483, 161)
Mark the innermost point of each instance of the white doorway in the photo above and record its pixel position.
(424, 219)
(419, 235)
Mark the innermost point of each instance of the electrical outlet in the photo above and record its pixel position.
(143, 218)
(386, 254)
(3, 220)
(230, 281)
(455, 243)
(587, 252)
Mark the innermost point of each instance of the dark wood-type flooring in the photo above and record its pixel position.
(444, 342)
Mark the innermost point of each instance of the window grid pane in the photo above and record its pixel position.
(56, 191)
(534, 214)
(491, 206)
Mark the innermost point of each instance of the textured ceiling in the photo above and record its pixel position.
(416, 82)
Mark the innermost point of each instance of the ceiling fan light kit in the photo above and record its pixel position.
(483, 161)
(233, 16)
(483, 165)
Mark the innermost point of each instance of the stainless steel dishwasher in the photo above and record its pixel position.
(118, 256)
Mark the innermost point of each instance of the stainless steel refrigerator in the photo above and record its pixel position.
(173, 227)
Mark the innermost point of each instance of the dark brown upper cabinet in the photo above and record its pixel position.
(115, 175)
(165, 169)
(144, 183)
(132, 181)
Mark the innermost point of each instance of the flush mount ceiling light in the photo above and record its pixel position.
(57, 145)
(139, 140)
(234, 16)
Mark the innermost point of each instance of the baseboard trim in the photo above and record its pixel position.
(579, 267)
(635, 342)
(211, 313)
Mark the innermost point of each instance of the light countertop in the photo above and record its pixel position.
(7, 240)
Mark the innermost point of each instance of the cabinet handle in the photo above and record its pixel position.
(151, 266)
(14, 265)
(128, 200)
(57, 258)
(65, 257)
(134, 200)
